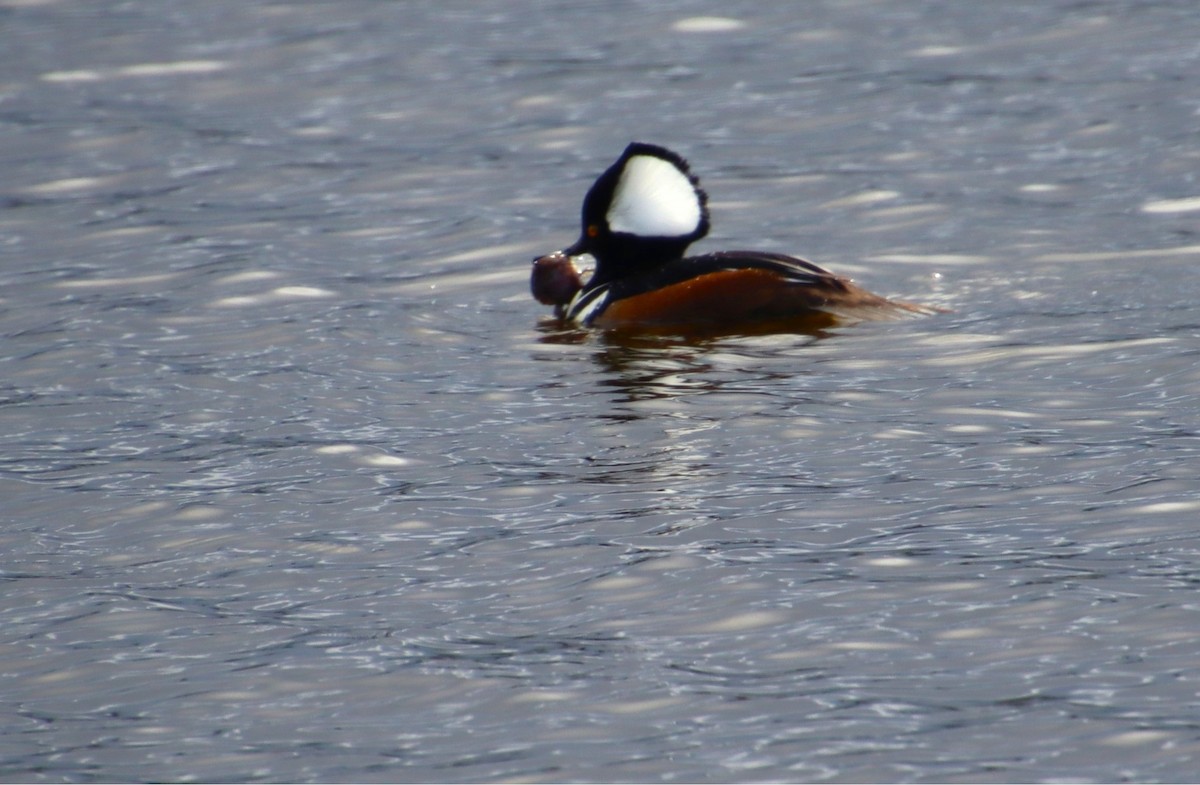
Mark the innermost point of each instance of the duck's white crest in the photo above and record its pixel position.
(654, 198)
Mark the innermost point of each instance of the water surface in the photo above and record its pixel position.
(301, 485)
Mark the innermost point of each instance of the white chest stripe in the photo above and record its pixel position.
(587, 304)
(654, 199)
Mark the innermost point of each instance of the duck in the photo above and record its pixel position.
(628, 270)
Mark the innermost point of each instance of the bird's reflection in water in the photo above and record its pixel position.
(646, 365)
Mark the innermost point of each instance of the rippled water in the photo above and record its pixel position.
(300, 484)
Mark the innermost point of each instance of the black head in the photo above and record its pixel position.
(645, 210)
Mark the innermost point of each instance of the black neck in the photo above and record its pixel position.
(625, 255)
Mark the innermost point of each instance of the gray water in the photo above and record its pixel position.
(299, 484)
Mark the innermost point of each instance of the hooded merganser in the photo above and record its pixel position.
(639, 217)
